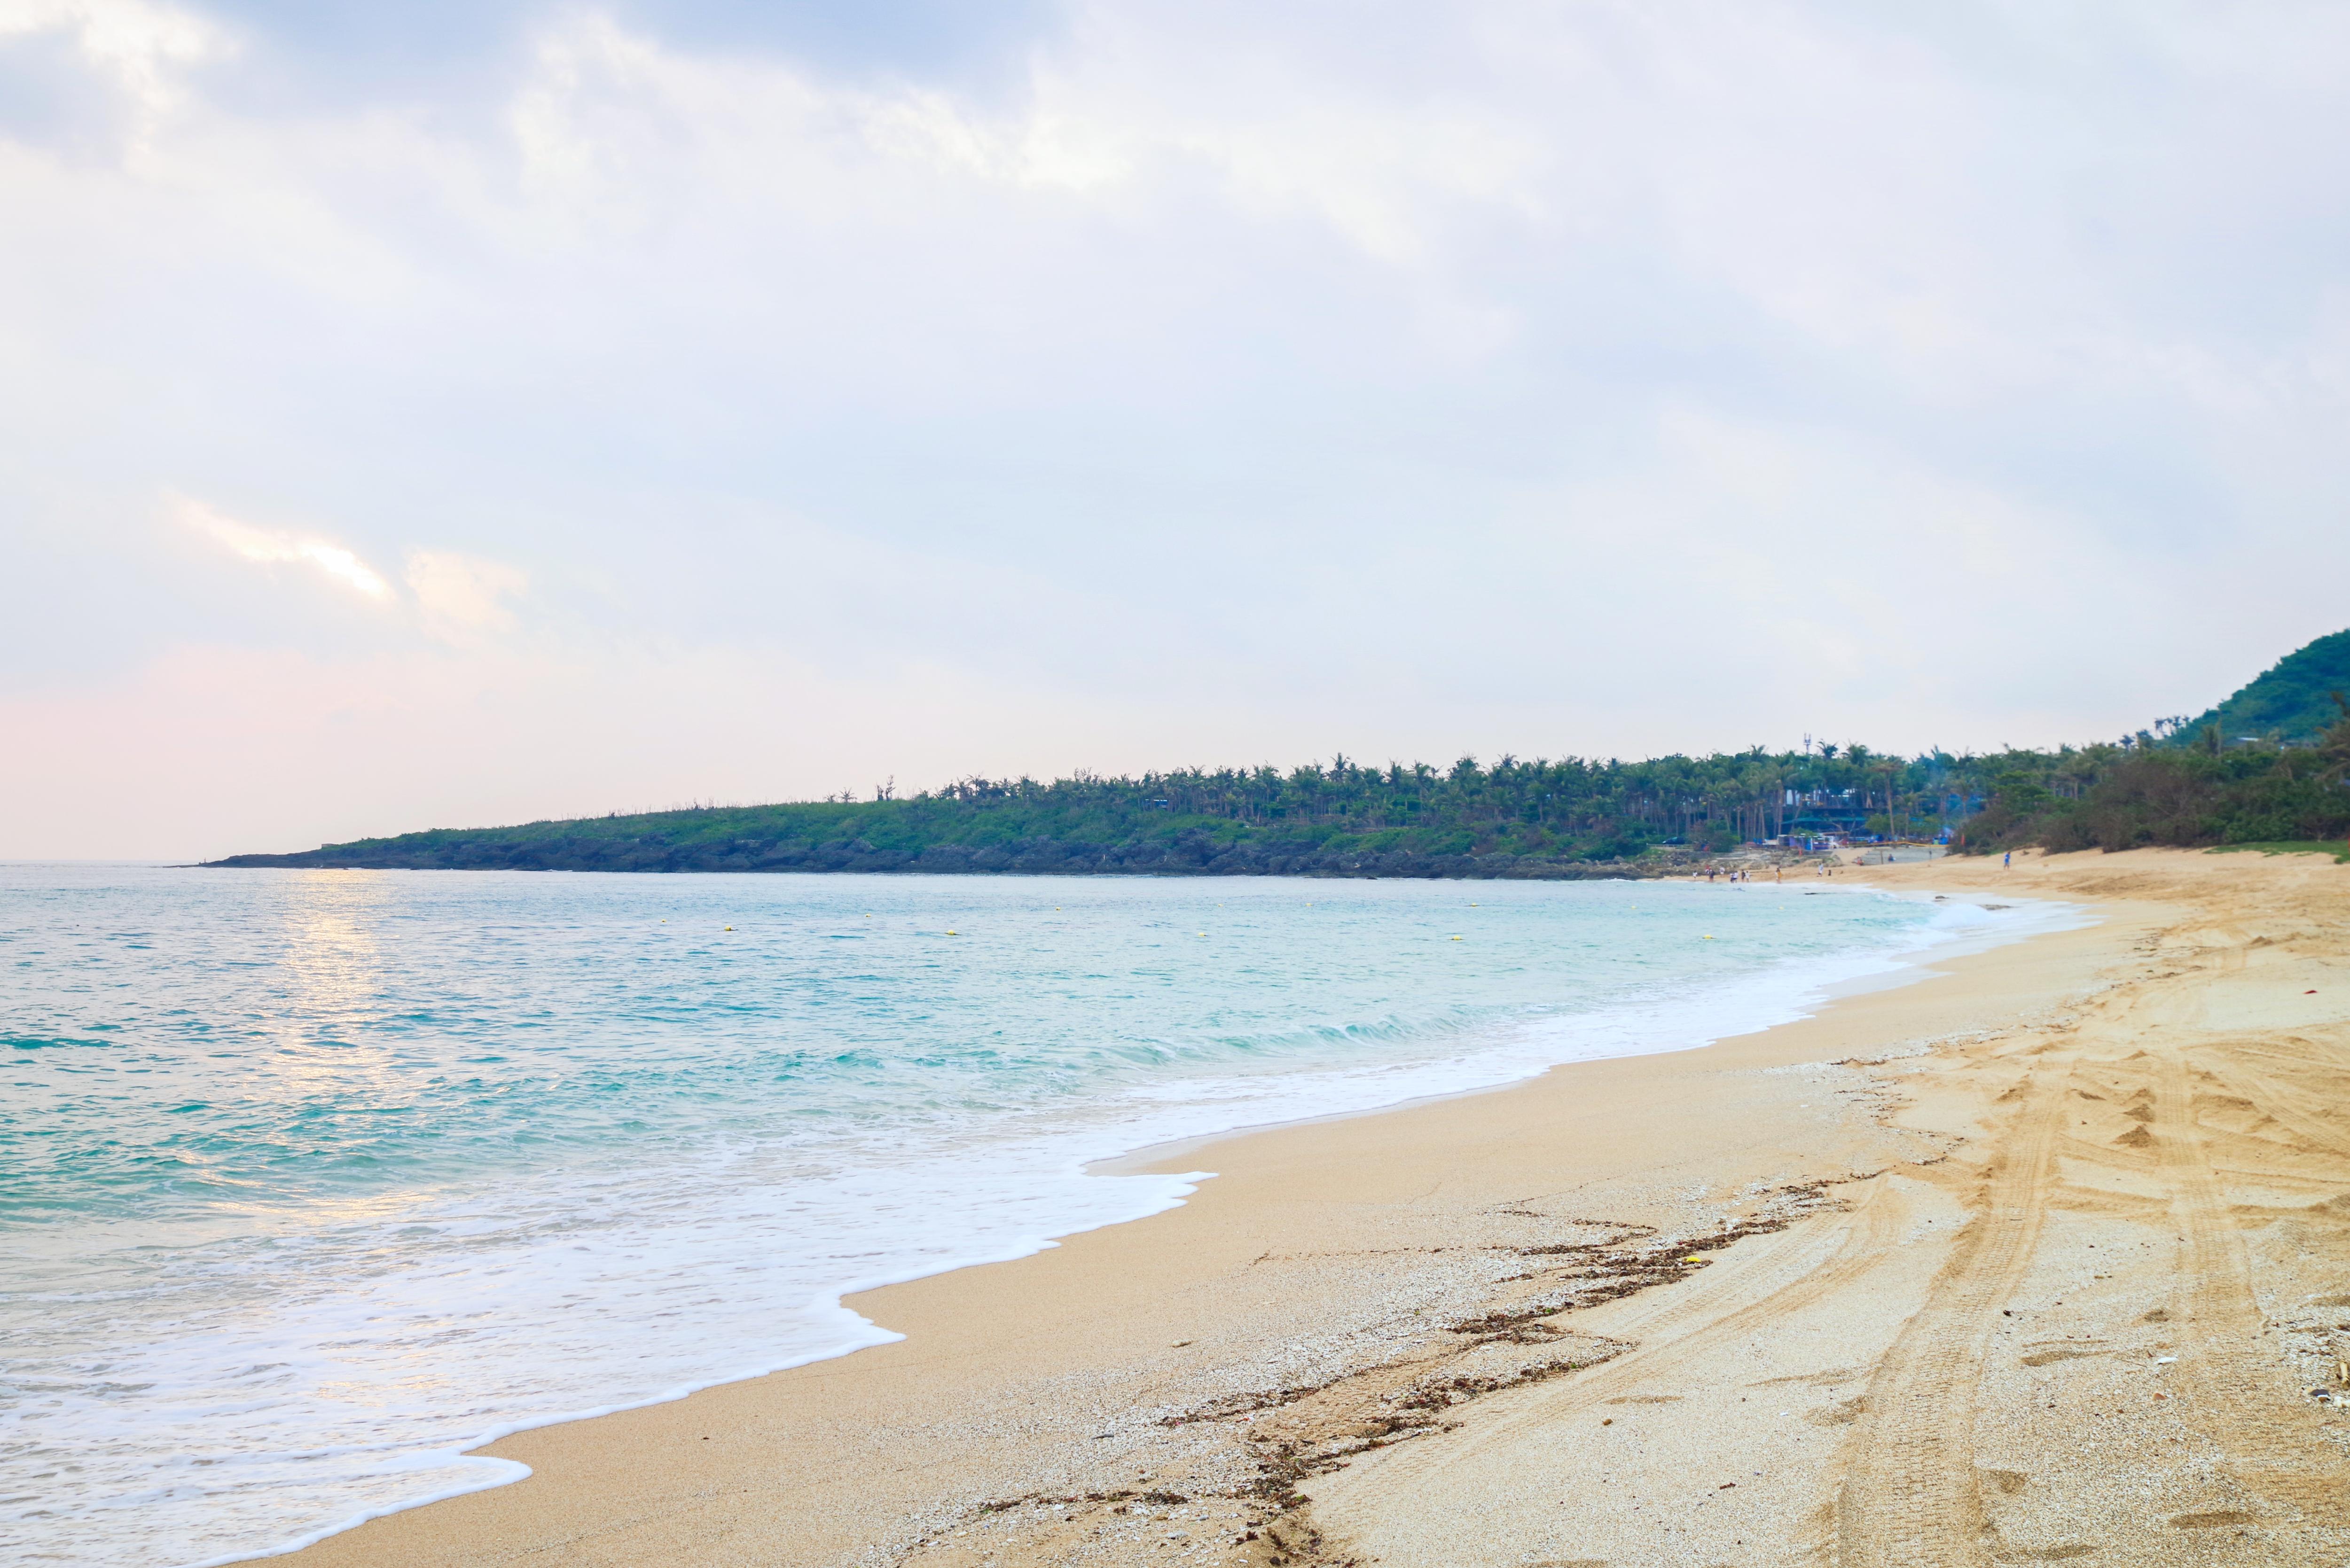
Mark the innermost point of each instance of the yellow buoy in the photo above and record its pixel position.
(950, 933)
(1456, 939)
(730, 927)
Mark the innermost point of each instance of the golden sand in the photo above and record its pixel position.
(2041, 1258)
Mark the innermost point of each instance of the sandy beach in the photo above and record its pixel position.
(2041, 1257)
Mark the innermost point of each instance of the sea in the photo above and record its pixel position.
(312, 1180)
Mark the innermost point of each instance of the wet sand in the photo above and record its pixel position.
(2039, 1258)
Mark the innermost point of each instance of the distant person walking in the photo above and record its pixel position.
(2007, 860)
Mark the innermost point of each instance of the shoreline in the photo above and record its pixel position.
(465, 1354)
(973, 1405)
(1899, 968)
(1789, 990)
(1714, 1008)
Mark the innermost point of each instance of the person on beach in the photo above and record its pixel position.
(2007, 860)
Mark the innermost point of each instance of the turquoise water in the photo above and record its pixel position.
(309, 1180)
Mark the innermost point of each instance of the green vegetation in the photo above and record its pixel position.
(1570, 818)
(1547, 819)
(2266, 793)
(2292, 702)
(2113, 798)
(2341, 852)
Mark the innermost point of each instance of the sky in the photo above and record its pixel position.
(475, 411)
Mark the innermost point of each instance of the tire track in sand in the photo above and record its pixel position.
(2292, 1109)
(1749, 1287)
(1910, 1497)
(2236, 1392)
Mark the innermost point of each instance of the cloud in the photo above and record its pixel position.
(141, 51)
(462, 596)
(269, 547)
(1211, 382)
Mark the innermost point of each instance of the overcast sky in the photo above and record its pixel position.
(460, 411)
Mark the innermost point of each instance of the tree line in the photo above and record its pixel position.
(2189, 786)
(1513, 817)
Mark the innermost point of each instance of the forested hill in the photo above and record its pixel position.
(1549, 819)
(2293, 702)
(2269, 765)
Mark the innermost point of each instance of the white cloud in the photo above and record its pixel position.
(270, 546)
(144, 48)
